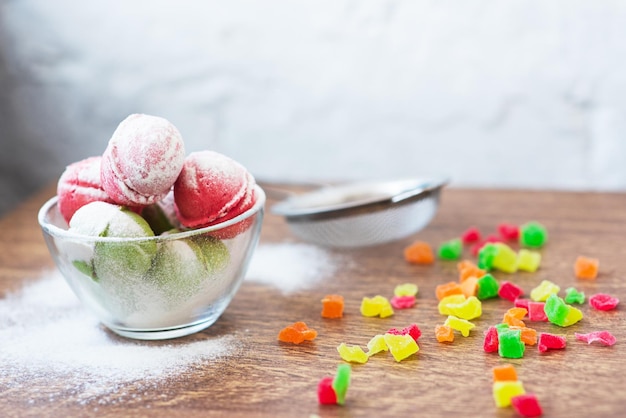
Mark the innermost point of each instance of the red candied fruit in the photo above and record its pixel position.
(490, 343)
(536, 312)
(402, 302)
(509, 291)
(325, 393)
(603, 302)
(526, 405)
(508, 232)
(413, 330)
(603, 337)
(550, 342)
(522, 303)
(471, 235)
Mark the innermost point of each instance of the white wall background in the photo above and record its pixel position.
(493, 93)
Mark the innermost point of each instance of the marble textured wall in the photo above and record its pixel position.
(491, 93)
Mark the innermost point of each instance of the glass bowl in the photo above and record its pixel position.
(160, 287)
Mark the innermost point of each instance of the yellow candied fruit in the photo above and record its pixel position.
(462, 325)
(505, 259)
(401, 346)
(376, 306)
(406, 289)
(444, 303)
(573, 315)
(504, 391)
(386, 311)
(544, 290)
(471, 308)
(376, 345)
(352, 353)
(528, 260)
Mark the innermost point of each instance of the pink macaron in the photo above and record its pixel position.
(80, 184)
(211, 188)
(142, 161)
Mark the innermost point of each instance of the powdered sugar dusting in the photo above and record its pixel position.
(47, 335)
(143, 159)
(292, 267)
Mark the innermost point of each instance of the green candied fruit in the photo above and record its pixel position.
(556, 310)
(488, 287)
(533, 234)
(341, 382)
(451, 250)
(487, 255)
(574, 296)
(510, 344)
(502, 326)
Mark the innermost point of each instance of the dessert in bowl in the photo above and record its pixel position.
(154, 287)
(153, 261)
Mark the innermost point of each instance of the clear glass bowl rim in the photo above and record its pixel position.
(66, 234)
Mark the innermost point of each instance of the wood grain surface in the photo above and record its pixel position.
(268, 378)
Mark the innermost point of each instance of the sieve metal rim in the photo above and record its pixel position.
(420, 189)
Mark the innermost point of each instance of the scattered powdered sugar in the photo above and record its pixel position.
(47, 336)
(291, 266)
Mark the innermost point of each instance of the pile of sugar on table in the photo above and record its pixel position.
(462, 301)
(48, 336)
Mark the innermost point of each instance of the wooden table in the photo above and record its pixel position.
(274, 379)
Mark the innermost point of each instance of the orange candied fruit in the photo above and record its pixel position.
(504, 373)
(332, 306)
(447, 289)
(419, 252)
(297, 333)
(513, 317)
(586, 267)
(468, 269)
(469, 286)
(527, 335)
(444, 334)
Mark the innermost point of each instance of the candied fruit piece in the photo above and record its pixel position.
(462, 325)
(402, 302)
(505, 259)
(471, 235)
(550, 342)
(586, 267)
(444, 333)
(401, 346)
(297, 333)
(451, 250)
(603, 302)
(406, 289)
(332, 306)
(504, 391)
(488, 287)
(504, 372)
(352, 353)
(527, 405)
(447, 289)
(508, 232)
(544, 290)
(528, 260)
(533, 234)
(510, 291)
(325, 393)
(419, 252)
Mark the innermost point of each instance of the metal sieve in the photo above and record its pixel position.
(361, 213)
